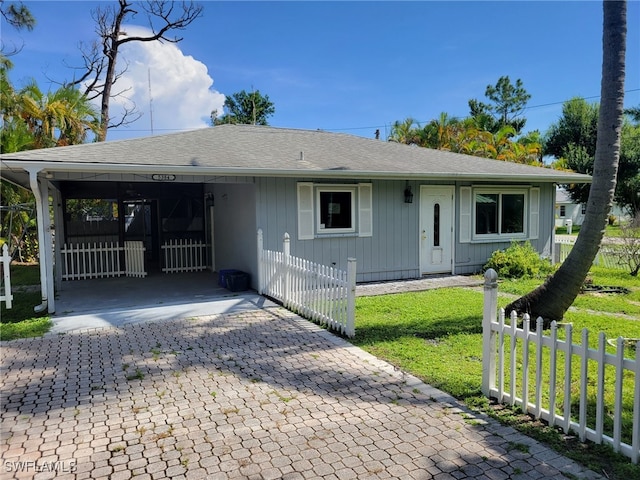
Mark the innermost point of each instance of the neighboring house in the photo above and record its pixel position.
(567, 209)
(401, 211)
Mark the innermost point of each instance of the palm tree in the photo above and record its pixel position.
(56, 118)
(14, 135)
(552, 299)
(438, 132)
(407, 132)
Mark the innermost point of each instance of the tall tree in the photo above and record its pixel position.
(407, 131)
(573, 140)
(552, 299)
(577, 126)
(439, 131)
(628, 187)
(19, 17)
(58, 118)
(100, 60)
(34, 119)
(245, 108)
(15, 135)
(507, 104)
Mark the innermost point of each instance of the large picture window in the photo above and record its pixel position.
(499, 213)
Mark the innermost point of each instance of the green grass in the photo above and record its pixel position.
(436, 335)
(25, 274)
(20, 321)
(611, 230)
(625, 304)
(563, 230)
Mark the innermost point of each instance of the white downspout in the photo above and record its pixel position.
(42, 240)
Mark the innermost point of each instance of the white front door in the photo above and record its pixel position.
(436, 229)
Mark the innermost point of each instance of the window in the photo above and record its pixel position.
(499, 213)
(563, 211)
(583, 210)
(436, 225)
(334, 210)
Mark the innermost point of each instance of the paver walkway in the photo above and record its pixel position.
(257, 394)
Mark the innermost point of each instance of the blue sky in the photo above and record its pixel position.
(350, 67)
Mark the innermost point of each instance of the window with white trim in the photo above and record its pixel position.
(499, 213)
(325, 210)
(487, 214)
(336, 209)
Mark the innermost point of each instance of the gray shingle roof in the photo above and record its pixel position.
(259, 150)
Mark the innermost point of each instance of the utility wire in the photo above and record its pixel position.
(387, 125)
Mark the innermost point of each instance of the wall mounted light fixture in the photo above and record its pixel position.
(408, 194)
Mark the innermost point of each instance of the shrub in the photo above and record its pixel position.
(520, 260)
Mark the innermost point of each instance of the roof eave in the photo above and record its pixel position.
(270, 172)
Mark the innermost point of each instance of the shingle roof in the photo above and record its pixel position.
(260, 150)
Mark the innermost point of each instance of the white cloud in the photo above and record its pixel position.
(182, 96)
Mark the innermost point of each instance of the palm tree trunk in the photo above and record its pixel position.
(552, 299)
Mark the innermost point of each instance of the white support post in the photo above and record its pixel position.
(260, 262)
(48, 259)
(58, 226)
(286, 249)
(488, 335)
(351, 297)
(6, 264)
(42, 242)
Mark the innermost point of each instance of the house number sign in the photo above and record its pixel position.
(163, 177)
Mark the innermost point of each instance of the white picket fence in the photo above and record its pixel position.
(517, 376)
(102, 259)
(184, 256)
(5, 263)
(320, 293)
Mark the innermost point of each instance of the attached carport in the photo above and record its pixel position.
(216, 210)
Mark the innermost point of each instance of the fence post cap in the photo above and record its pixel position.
(490, 276)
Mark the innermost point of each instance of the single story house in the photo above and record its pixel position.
(402, 211)
(568, 210)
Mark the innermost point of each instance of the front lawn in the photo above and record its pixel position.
(436, 335)
(20, 321)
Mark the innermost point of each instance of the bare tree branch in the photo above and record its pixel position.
(100, 61)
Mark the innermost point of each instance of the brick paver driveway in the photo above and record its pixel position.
(255, 395)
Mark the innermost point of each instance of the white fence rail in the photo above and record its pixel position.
(5, 263)
(83, 261)
(515, 371)
(608, 256)
(184, 256)
(323, 294)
